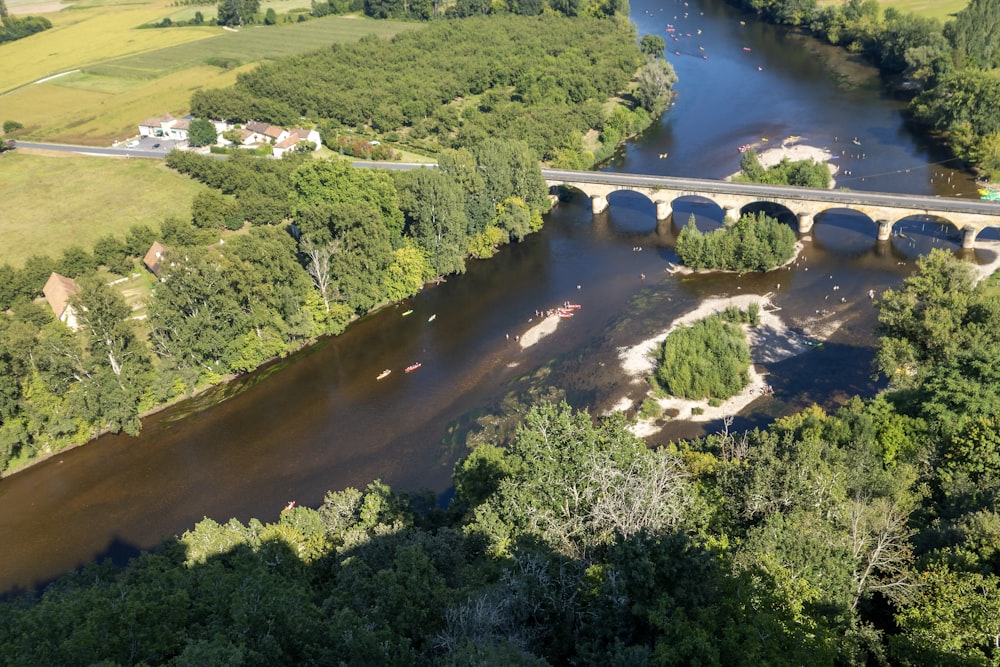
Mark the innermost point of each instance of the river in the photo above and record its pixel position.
(320, 420)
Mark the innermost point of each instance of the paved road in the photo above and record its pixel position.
(141, 150)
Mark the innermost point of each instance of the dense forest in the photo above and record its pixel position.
(863, 537)
(544, 80)
(952, 68)
(358, 238)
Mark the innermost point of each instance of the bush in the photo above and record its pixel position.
(709, 359)
(11, 126)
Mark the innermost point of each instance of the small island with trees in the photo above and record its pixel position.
(755, 242)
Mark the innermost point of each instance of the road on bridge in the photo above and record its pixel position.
(766, 192)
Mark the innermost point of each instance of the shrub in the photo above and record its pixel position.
(709, 359)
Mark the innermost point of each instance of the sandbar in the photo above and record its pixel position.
(789, 148)
(770, 341)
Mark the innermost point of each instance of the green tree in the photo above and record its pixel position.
(434, 208)
(709, 359)
(654, 86)
(237, 12)
(105, 385)
(652, 45)
(325, 182)
(201, 132)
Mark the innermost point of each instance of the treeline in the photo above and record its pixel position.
(323, 243)
(756, 242)
(952, 66)
(13, 27)
(865, 536)
(543, 80)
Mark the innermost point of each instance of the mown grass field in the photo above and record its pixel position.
(52, 202)
(938, 9)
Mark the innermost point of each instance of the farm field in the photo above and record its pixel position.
(938, 9)
(52, 202)
(109, 74)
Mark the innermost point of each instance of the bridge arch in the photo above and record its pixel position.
(883, 209)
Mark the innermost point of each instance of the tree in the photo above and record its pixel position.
(237, 12)
(953, 620)
(652, 45)
(113, 398)
(925, 321)
(201, 132)
(324, 182)
(435, 211)
(270, 16)
(655, 81)
(318, 265)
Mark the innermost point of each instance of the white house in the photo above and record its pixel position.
(294, 137)
(156, 126)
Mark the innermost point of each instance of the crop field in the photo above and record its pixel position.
(250, 44)
(53, 202)
(81, 37)
(938, 9)
(129, 74)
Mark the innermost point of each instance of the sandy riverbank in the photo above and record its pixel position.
(770, 341)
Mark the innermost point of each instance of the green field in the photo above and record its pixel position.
(250, 44)
(53, 202)
(938, 9)
(112, 74)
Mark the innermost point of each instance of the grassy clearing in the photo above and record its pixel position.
(53, 202)
(938, 9)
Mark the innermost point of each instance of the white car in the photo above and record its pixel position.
(132, 144)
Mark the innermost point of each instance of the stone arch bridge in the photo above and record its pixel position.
(969, 217)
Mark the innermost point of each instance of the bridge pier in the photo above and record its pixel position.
(805, 223)
(598, 204)
(730, 214)
(884, 229)
(663, 209)
(969, 235)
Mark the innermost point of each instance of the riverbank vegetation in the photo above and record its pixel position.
(360, 238)
(950, 67)
(707, 360)
(756, 242)
(863, 536)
